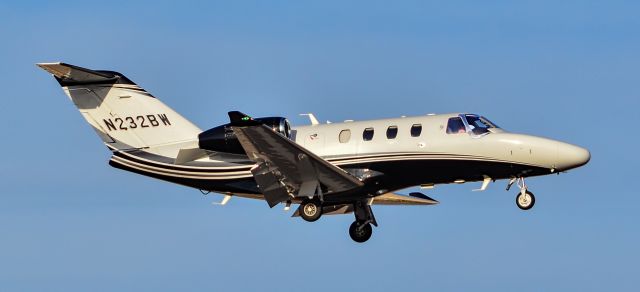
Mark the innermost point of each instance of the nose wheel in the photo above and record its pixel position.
(524, 199)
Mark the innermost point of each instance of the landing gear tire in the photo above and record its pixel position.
(360, 232)
(310, 210)
(525, 201)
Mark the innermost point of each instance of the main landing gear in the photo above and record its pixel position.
(360, 230)
(524, 199)
(311, 210)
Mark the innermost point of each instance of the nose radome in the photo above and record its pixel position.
(571, 156)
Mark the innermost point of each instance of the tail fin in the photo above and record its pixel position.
(124, 115)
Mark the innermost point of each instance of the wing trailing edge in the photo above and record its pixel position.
(285, 170)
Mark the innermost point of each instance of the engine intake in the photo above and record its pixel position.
(222, 138)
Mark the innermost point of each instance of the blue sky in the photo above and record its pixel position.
(562, 69)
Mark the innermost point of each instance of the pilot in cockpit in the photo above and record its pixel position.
(476, 125)
(456, 126)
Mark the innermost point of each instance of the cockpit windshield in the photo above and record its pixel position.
(474, 125)
(479, 125)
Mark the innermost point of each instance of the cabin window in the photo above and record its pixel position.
(455, 126)
(416, 130)
(344, 136)
(392, 132)
(367, 134)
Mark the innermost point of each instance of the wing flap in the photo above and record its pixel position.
(269, 184)
(290, 167)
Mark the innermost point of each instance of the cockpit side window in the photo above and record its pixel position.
(455, 126)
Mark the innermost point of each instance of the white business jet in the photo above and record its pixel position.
(333, 168)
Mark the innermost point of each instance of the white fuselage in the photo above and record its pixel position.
(432, 156)
(499, 145)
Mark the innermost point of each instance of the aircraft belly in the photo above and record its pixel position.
(441, 171)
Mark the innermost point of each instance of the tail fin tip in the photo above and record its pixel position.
(68, 74)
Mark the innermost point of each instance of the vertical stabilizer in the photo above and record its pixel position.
(124, 115)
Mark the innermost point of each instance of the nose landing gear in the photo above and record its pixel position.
(524, 199)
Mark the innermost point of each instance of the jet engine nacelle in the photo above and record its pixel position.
(222, 138)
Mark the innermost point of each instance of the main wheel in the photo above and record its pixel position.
(525, 201)
(310, 210)
(360, 232)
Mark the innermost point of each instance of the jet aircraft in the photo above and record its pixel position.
(325, 169)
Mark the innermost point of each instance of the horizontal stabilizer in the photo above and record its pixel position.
(188, 155)
(412, 199)
(68, 74)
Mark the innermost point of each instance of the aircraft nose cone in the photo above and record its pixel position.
(571, 156)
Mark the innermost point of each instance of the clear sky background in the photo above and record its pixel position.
(568, 70)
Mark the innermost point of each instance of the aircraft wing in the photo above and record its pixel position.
(284, 169)
(396, 199)
(415, 199)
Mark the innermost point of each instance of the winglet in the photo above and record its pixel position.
(240, 119)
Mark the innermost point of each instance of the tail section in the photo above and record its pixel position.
(124, 115)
